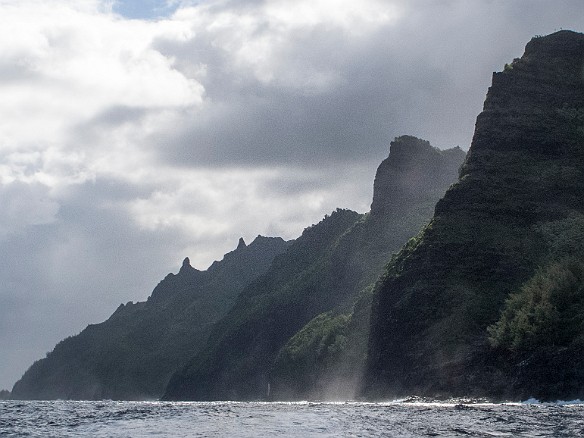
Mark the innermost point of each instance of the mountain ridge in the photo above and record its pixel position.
(132, 354)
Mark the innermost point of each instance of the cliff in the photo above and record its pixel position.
(489, 296)
(271, 336)
(413, 177)
(133, 353)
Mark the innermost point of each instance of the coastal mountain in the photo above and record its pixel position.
(133, 354)
(287, 336)
(442, 290)
(489, 299)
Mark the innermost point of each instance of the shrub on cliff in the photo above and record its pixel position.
(547, 311)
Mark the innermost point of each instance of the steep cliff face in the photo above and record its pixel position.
(518, 201)
(293, 328)
(413, 177)
(134, 352)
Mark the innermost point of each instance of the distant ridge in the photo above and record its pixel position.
(132, 354)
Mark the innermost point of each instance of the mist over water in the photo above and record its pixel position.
(218, 419)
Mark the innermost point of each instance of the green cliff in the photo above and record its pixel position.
(487, 300)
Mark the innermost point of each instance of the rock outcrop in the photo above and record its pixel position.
(413, 177)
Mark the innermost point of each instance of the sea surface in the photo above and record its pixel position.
(304, 419)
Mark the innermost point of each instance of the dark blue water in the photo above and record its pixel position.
(230, 419)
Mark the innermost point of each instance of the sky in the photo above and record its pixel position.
(136, 133)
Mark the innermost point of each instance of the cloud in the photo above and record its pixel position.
(67, 64)
(127, 144)
(25, 205)
(315, 83)
(58, 276)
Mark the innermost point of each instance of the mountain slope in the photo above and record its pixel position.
(234, 364)
(519, 199)
(134, 352)
(323, 271)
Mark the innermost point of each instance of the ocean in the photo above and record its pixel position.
(303, 419)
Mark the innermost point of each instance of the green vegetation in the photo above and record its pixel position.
(325, 359)
(509, 67)
(236, 363)
(548, 311)
(317, 345)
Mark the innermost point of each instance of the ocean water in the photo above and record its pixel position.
(305, 419)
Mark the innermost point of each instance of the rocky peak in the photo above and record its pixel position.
(267, 242)
(414, 170)
(241, 244)
(407, 148)
(562, 45)
(186, 266)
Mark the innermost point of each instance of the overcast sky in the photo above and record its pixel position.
(134, 133)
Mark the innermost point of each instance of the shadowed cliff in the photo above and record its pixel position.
(488, 299)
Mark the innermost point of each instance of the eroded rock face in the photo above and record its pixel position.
(414, 173)
(524, 174)
(531, 105)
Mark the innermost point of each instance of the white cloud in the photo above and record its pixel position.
(224, 204)
(260, 38)
(357, 18)
(68, 62)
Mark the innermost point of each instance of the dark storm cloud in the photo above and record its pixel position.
(425, 74)
(249, 122)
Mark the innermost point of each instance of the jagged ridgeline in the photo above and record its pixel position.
(300, 330)
(489, 299)
(133, 353)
